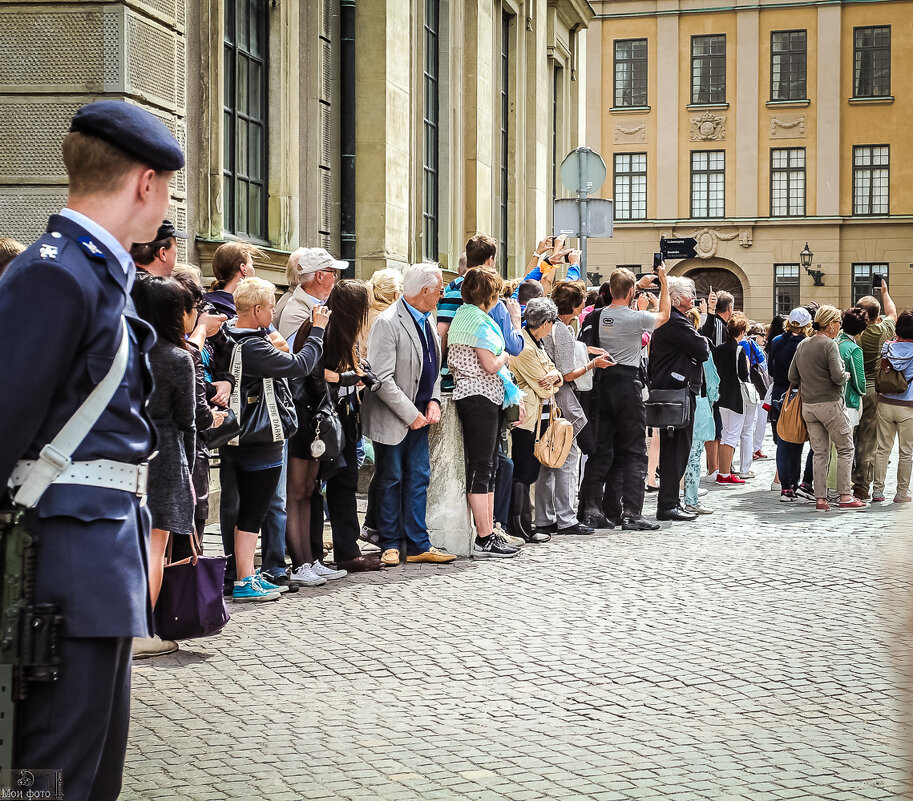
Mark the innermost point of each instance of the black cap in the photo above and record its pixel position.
(134, 130)
(167, 229)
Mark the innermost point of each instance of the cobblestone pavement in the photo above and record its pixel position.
(753, 655)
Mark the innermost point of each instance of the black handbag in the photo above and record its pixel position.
(263, 418)
(215, 438)
(668, 408)
(329, 437)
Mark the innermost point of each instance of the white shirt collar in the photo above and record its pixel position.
(102, 235)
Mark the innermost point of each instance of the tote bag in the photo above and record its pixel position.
(791, 425)
(190, 603)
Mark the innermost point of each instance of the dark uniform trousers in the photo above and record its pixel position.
(674, 448)
(613, 478)
(92, 542)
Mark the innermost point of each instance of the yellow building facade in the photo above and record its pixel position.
(756, 130)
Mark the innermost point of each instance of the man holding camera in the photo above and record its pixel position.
(621, 419)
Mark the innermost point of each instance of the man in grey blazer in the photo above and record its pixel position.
(406, 358)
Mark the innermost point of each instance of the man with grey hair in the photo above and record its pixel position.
(317, 273)
(677, 355)
(406, 356)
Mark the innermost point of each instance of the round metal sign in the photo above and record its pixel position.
(583, 171)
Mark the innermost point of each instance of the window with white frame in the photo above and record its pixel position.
(708, 183)
(787, 182)
(871, 174)
(630, 186)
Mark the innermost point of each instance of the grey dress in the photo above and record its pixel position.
(172, 409)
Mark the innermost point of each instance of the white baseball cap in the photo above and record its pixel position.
(800, 316)
(313, 260)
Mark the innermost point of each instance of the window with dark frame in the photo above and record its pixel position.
(788, 65)
(630, 72)
(708, 183)
(431, 159)
(871, 179)
(245, 115)
(786, 288)
(328, 209)
(506, 20)
(863, 283)
(630, 186)
(872, 61)
(787, 182)
(708, 69)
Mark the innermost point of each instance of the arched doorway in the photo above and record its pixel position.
(719, 279)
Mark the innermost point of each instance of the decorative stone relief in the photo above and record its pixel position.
(708, 240)
(745, 237)
(708, 127)
(633, 133)
(791, 127)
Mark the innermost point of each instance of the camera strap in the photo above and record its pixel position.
(55, 457)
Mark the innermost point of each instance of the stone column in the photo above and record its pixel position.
(448, 518)
(668, 114)
(746, 119)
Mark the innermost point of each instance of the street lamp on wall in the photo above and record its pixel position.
(805, 259)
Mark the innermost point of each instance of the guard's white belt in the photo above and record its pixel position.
(100, 473)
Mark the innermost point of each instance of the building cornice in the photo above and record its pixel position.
(664, 8)
(573, 12)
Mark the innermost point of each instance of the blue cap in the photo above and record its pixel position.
(134, 130)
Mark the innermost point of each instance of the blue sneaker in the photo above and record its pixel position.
(250, 590)
(266, 584)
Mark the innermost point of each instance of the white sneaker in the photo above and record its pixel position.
(775, 486)
(702, 491)
(747, 474)
(698, 509)
(305, 576)
(145, 647)
(327, 572)
(710, 478)
(517, 542)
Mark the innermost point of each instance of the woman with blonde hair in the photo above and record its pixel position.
(385, 287)
(817, 368)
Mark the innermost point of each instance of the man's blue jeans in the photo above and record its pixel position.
(272, 535)
(401, 475)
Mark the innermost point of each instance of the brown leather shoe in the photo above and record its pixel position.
(390, 557)
(361, 564)
(432, 555)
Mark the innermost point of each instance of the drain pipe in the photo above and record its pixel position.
(347, 134)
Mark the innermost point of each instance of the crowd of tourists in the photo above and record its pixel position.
(573, 404)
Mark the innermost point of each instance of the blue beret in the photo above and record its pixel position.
(134, 130)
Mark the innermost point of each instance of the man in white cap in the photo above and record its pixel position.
(317, 274)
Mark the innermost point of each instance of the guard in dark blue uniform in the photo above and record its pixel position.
(62, 303)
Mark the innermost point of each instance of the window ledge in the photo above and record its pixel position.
(884, 100)
(788, 103)
(698, 106)
(628, 109)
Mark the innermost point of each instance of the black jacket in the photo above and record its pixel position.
(677, 353)
(714, 328)
(724, 357)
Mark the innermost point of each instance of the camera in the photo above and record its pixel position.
(657, 260)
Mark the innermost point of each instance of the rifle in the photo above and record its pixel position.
(28, 631)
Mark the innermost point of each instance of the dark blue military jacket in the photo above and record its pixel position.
(61, 302)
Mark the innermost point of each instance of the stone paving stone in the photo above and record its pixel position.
(753, 654)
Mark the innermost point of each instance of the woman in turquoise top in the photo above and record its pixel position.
(854, 322)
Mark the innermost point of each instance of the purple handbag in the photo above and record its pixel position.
(190, 603)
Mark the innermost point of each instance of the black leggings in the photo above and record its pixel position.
(255, 492)
(481, 421)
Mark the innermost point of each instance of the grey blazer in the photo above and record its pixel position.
(396, 358)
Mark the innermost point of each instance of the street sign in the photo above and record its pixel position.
(575, 215)
(682, 248)
(583, 171)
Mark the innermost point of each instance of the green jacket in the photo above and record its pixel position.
(851, 354)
